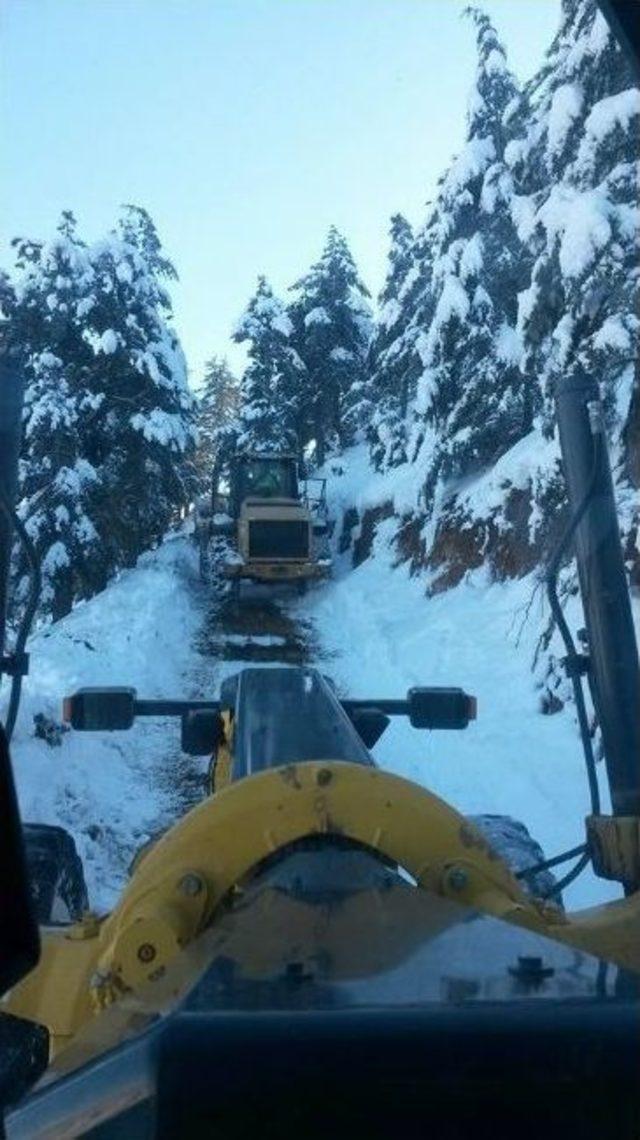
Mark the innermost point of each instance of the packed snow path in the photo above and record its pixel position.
(372, 629)
(158, 629)
(256, 629)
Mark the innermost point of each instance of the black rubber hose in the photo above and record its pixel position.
(546, 864)
(558, 887)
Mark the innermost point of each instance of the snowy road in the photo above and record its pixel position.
(158, 629)
(371, 629)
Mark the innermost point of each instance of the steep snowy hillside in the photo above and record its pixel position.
(523, 274)
(372, 628)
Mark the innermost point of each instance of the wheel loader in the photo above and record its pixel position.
(263, 523)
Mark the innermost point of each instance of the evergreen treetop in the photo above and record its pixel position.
(332, 331)
(268, 389)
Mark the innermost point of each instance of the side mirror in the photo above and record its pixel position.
(441, 708)
(426, 708)
(369, 724)
(202, 732)
(100, 710)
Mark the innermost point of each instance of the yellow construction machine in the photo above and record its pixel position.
(263, 523)
(313, 906)
(320, 948)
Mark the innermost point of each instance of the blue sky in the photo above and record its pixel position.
(245, 127)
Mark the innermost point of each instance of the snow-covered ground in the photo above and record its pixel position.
(377, 635)
(112, 790)
(385, 637)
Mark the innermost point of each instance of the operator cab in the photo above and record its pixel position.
(254, 476)
(264, 477)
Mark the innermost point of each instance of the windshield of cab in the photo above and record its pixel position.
(267, 479)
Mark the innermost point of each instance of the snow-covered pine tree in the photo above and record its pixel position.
(333, 328)
(576, 166)
(218, 407)
(471, 395)
(108, 415)
(42, 317)
(573, 154)
(143, 437)
(574, 157)
(269, 388)
(393, 363)
(564, 168)
(417, 298)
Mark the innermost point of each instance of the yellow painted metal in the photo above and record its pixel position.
(223, 838)
(176, 889)
(614, 846)
(57, 993)
(610, 931)
(280, 569)
(251, 819)
(222, 763)
(371, 931)
(147, 931)
(270, 510)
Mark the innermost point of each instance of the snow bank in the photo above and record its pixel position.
(524, 465)
(110, 790)
(353, 483)
(384, 636)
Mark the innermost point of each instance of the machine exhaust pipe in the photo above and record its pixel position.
(614, 671)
